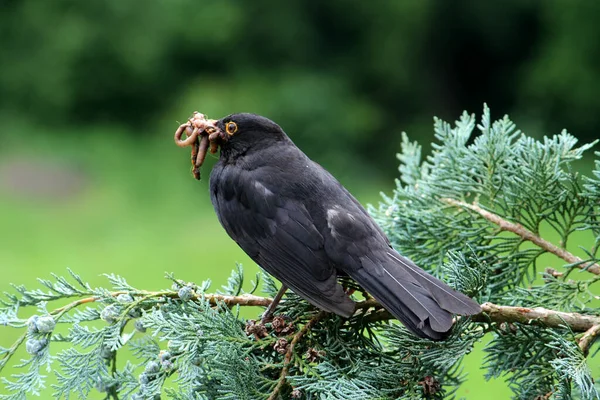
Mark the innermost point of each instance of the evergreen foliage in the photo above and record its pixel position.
(475, 213)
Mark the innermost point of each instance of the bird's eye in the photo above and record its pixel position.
(231, 127)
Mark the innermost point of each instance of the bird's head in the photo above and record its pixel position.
(246, 131)
(235, 134)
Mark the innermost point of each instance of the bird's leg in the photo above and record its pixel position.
(271, 309)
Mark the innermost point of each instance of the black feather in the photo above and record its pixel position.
(448, 298)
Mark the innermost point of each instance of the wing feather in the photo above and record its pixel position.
(279, 234)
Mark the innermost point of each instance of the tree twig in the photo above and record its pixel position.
(268, 314)
(537, 315)
(12, 350)
(526, 234)
(586, 341)
(290, 352)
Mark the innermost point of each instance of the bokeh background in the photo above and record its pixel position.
(91, 92)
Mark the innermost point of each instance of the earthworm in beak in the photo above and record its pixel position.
(200, 133)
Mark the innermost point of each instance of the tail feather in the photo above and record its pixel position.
(423, 303)
(414, 295)
(407, 301)
(448, 298)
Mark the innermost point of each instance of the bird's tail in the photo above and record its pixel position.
(422, 302)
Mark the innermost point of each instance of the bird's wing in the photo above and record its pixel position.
(421, 301)
(279, 234)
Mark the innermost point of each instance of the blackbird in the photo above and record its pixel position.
(296, 221)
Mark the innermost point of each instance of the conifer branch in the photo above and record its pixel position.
(527, 235)
(576, 322)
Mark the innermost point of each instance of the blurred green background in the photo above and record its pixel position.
(91, 92)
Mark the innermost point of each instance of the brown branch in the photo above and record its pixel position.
(537, 315)
(588, 338)
(243, 300)
(290, 352)
(552, 272)
(490, 312)
(214, 299)
(523, 315)
(59, 312)
(526, 234)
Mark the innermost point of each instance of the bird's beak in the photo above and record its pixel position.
(216, 136)
(210, 126)
(201, 133)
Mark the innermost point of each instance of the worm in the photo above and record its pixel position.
(214, 144)
(191, 135)
(194, 152)
(201, 136)
(202, 151)
(196, 173)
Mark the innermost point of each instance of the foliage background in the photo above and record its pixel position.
(90, 93)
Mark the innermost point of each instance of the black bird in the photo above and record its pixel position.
(295, 220)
